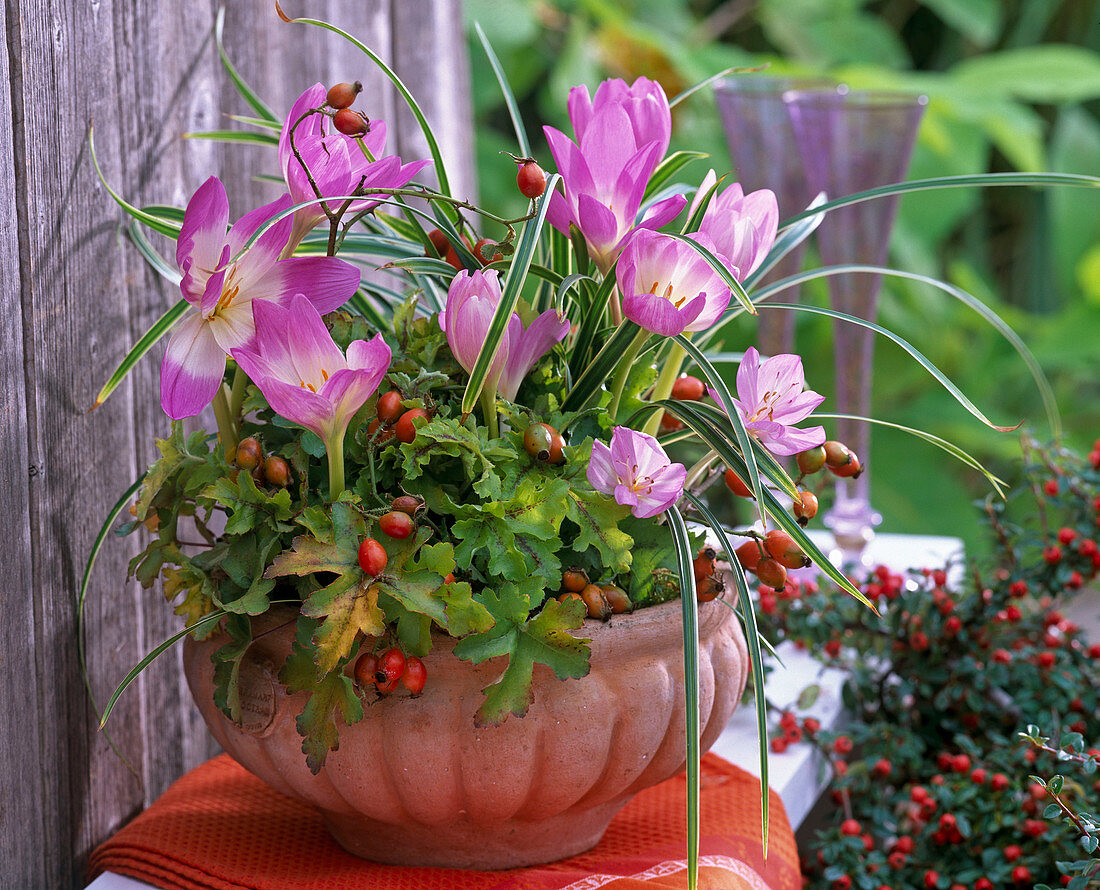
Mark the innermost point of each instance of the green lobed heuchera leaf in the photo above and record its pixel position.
(331, 695)
(348, 605)
(543, 639)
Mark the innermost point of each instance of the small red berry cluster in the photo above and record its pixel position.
(600, 600)
(792, 731)
(383, 672)
(392, 420)
(271, 470)
(344, 118)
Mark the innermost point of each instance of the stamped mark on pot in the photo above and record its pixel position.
(257, 689)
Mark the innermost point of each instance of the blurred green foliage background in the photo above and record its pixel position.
(1012, 85)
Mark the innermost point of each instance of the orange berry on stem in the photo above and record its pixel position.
(277, 471)
(772, 573)
(405, 428)
(809, 462)
(594, 601)
(397, 524)
(389, 406)
(805, 508)
(688, 388)
(350, 123)
(407, 503)
(249, 454)
(343, 94)
(574, 580)
(837, 454)
(850, 470)
(617, 598)
(372, 557)
(749, 555)
(415, 676)
(365, 667)
(737, 485)
(782, 548)
(531, 179)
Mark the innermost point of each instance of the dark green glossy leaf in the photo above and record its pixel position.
(689, 605)
(668, 168)
(148, 340)
(980, 180)
(1046, 392)
(247, 93)
(506, 91)
(234, 136)
(756, 661)
(414, 107)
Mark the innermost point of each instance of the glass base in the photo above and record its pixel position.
(852, 523)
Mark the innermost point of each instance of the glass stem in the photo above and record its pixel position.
(227, 429)
(662, 389)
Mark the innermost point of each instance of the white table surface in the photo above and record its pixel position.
(797, 775)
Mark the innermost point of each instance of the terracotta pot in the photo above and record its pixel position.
(415, 782)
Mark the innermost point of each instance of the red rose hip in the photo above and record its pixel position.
(343, 94)
(391, 665)
(531, 179)
(350, 123)
(372, 557)
(415, 676)
(366, 666)
(396, 524)
(389, 406)
(405, 428)
(688, 388)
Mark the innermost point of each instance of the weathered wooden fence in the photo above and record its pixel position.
(75, 296)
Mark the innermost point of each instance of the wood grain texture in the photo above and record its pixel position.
(429, 46)
(74, 296)
(20, 789)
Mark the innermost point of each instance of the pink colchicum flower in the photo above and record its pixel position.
(667, 286)
(771, 398)
(338, 165)
(621, 136)
(302, 373)
(644, 102)
(221, 292)
(472, 299)
(741, 227)
(636, 471)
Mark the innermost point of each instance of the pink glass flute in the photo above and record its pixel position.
(850, 142)
(760, 137)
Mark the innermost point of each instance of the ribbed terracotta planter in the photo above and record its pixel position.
(416, 783)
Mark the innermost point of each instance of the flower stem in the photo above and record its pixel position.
(236, 397)
(489, 410)
(618, 382)
(662, 389)
(227, 429)
(335, 449)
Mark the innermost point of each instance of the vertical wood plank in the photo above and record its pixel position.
(429, 46)
(21, 799)
(74, 297)
(168, 82)
(77, 317)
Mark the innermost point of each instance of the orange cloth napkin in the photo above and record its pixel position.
(221, 828)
